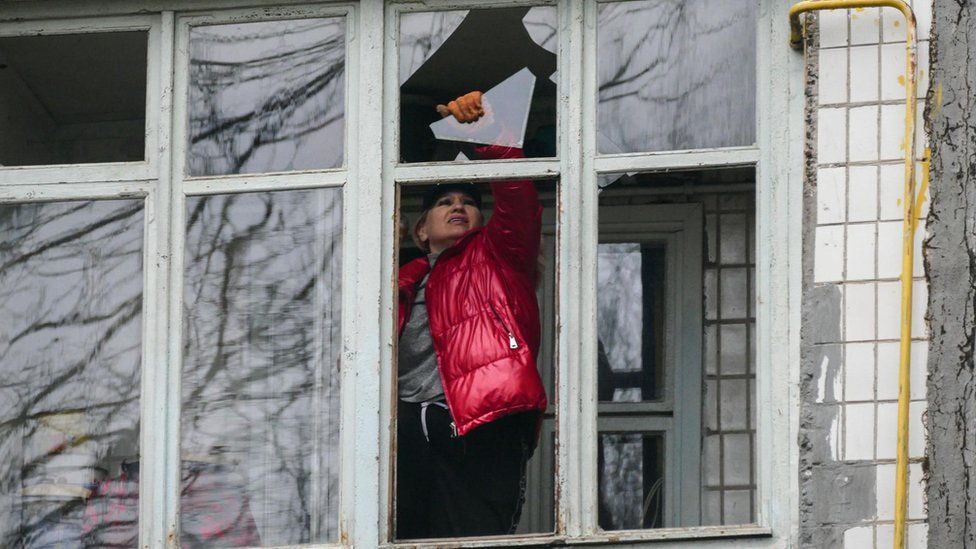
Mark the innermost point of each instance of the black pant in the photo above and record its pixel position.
(459, 486)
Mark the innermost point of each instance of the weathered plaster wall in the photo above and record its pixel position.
(851, 265)
(950, 260)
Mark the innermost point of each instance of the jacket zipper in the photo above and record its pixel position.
(440, 374)
(512, 344)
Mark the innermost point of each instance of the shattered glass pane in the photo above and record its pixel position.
(266, 96)
(675, 74)
(538, 23)
(260, 418)
(444, 55)
(420, 37)
(70, 355)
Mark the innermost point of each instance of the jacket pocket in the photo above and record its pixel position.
(512, 342)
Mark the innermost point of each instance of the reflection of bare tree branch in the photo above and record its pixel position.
(253, 92)
(257, 267)
(75, 319)
(76, 367)
(283, 101)
(26, 231)
(73, 235)
(71, 298)
(673, 75)
(305, 55)
(230, 250)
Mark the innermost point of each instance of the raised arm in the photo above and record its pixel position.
(515, 227)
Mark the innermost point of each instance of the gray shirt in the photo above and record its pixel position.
(418, 378)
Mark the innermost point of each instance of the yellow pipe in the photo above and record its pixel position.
(908, 230)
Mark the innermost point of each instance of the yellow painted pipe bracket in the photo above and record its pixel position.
(910, 203)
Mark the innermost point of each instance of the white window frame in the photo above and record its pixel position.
(369, 270)
(122, 180)
(99, 173)
(185, 185)
(579, 167)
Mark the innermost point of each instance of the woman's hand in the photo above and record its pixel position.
(465, 109)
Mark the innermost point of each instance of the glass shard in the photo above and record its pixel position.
(506, 113)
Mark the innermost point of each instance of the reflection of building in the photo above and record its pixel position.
(197, 212)
(57, 477)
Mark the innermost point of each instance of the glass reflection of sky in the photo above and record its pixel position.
(70, 354)
(260, 375)
(266, 96)
(675, 74)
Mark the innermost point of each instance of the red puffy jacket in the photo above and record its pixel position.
(484, 317)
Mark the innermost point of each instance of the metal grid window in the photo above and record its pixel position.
(730, 375)
(368, 179)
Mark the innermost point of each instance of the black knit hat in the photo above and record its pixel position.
(432, 194)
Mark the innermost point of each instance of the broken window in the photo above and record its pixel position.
(266, 96)
(71, 300)
(463, 475)
(642, 277)
(73, 98)
(508, 54)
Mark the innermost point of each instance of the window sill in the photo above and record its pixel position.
(690, 535)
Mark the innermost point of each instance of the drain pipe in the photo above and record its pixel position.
(908, 229)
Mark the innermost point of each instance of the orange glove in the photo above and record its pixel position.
(465, 109)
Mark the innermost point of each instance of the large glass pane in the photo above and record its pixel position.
(631, 483)
(470, 459)
(70, 348)
(506, 53)
(675, 74)
(73, 98)
(630, 321)
(267, 96)
(260, 418)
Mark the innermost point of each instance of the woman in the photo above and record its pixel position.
(470, 395)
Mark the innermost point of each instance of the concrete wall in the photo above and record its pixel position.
(852, 261)
(950, 251)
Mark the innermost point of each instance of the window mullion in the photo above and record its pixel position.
(366, 234)
(31, 176)
(159, 454)
(576, 404)
(588, 236)
(472, 171)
